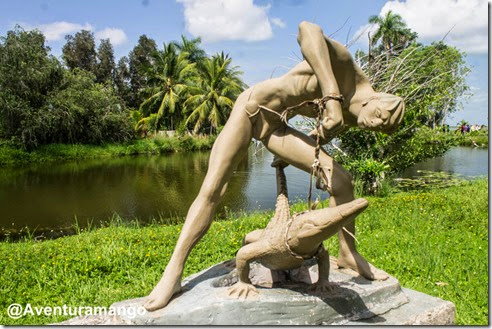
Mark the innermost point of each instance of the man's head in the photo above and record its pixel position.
(381, 112)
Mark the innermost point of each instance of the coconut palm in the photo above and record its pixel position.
(391, 30)
(192, 47)
(169, 78)
(212, 98)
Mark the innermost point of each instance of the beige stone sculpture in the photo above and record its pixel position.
(289, 240)
(328, 74)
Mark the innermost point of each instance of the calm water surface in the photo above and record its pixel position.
(467, 161)
(52, 196)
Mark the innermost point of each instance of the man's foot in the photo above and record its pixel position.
(162, 293)
(357, 263)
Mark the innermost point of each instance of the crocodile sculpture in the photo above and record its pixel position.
(289, 240)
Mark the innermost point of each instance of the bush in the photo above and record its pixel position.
(431, 80)
(41, 102)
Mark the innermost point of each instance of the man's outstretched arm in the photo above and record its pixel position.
(315, 51)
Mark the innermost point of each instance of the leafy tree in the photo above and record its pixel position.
(168, 81)
(41, 102)
(28, 74)
(212, 98)
(80, 51)
(105, 63)
(122, 80)
(140, 58)
(392, 31)
(87, 112)
(430, 79)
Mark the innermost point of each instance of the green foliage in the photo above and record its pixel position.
(136, 116)
(40, 102)
(80, 51)
(139, 58)
(28, 75)
(430, 79)
(122, 81)
(212, 97)
(368, 170)
(89, 112)
(192, 46)
(433, 242)
(393, 32)
(105, 64)
(425, 143)
(167, 84)
(147, 124)
(13, 156)
(478, 138)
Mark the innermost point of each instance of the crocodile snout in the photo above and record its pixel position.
(353, 207)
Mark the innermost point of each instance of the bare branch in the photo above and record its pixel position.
(339, 28)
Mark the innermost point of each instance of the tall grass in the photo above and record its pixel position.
(479, 138)
(11, 155)
(434, 241)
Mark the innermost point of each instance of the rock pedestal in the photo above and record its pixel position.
(285, 299)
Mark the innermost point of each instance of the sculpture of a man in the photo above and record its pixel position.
(328, 72)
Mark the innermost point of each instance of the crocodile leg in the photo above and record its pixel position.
(252, 236)
(323, 284)
(247, 254)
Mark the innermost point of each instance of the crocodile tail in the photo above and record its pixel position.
(281, 182)
(282, 209)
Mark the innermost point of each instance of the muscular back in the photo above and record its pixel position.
(300, 83)
(348, 75)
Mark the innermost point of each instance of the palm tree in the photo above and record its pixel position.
(168, 79)
(391, 29)
(405, 38)
(192, 47)
(212, 98)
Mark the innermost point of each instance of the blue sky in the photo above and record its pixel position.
(260, 35)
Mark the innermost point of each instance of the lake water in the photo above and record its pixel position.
(53, 196)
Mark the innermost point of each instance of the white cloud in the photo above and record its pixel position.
(57, 30)
(116, 36)
(277, 21)
(217, 20)
(478, 95)
(361, 35)
(467, 20)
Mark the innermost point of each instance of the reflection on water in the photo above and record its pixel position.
(466, 161)
(51, 196)
(160, 186)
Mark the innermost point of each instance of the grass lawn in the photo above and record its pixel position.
(435, 242)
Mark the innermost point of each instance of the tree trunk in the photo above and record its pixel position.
(388, 49)
(369, 51)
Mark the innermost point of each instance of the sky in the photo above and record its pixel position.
(260, 35)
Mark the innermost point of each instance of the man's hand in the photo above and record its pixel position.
(332, 122)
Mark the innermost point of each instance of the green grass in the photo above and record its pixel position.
(11, 155)
(480, 138)
(421, 238)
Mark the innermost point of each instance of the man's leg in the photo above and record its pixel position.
(348, 256)
(297, 149)
(228, 149)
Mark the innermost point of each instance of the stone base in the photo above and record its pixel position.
(284, 299)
